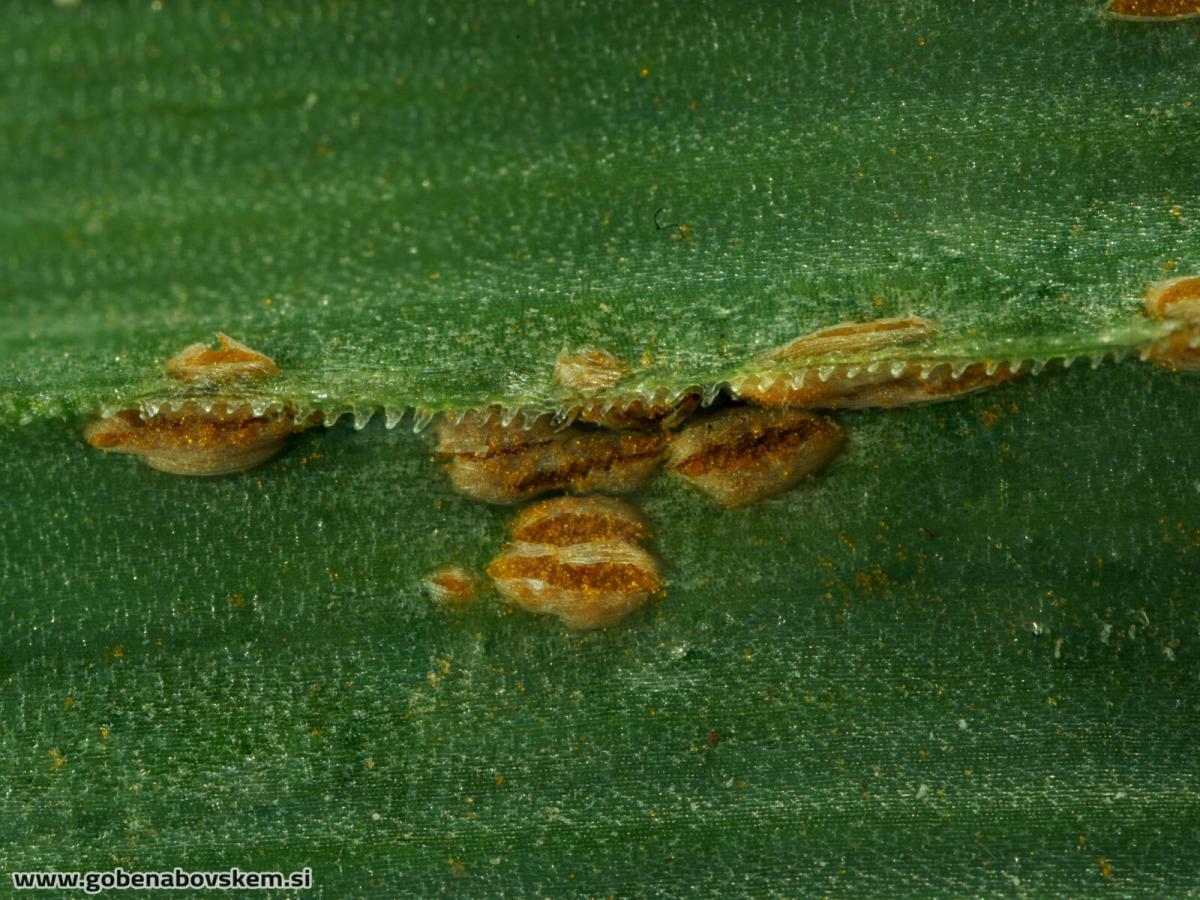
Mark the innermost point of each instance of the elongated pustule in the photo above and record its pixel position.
(191, 440)
(807, 373)
(200, 365)
(580, 559)
(568, 520)
(822, 346)
(499, 463)
(890, 386)
(1177, 300)
(741, 455)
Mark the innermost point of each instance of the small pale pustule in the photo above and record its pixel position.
(741, 455)
(592, 371)
(200, 365)
(805, 373)
(189, 440)
(1177, 300)
(917, 383)
(452, 586)
(499, 463)
(851, 338)
(1153, 10)
(588, 371)
(580, 559)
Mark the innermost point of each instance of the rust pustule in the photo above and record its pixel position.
(640, 413)
(859, 388)
(569, 520)
(500, 463)
(452, 585)
(807, 373)
(1176, 300)
(578, 558)
(742, 455)
(190, 440)
(199, 364)
(851, 338)
(588, 370)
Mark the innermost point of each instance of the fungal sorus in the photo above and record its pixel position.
(590, 373)
(588, 370)
(195, 439)
(200, 365)
(580, 559)
(852, 337)
(806, 373)
(741, 455)
(507, 463)
(664, 411)
(203, 437)
(1176, 300)
(452, 585)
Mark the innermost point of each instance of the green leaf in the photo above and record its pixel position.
(422, 206)
(963, 660)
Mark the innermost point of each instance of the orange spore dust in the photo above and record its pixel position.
(851, 338)
(588, 370)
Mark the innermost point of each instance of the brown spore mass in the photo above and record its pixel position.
(852, 337)
(588, 370)
(578, 558)
(499, 464)
(866, 389)
(1169, 299)
(570, 520)
(639, 413)
(741, 455)
(603, 577)
(193, 441)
